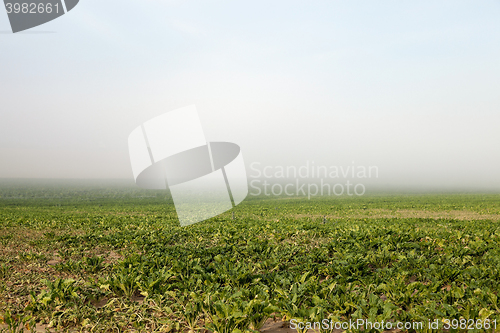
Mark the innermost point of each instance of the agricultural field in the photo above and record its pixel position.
(114, 259)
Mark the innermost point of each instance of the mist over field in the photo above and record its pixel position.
(408, 87)
(341, 168)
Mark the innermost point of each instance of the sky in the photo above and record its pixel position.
(411, 87)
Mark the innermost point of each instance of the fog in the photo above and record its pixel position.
(408, 87)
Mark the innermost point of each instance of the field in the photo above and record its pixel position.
(94, 258)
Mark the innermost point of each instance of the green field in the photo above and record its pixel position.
(114, 259)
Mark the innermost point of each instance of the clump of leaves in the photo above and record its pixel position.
(17, 323)
(93, 264)
(5, 270)
(59, 291)
(225, 313)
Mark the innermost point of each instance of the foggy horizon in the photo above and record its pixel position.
(411, 88)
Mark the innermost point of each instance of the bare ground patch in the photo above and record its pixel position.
(463, 215)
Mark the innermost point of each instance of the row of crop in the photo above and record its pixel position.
(225, 295)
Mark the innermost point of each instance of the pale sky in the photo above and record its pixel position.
(409, 86)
